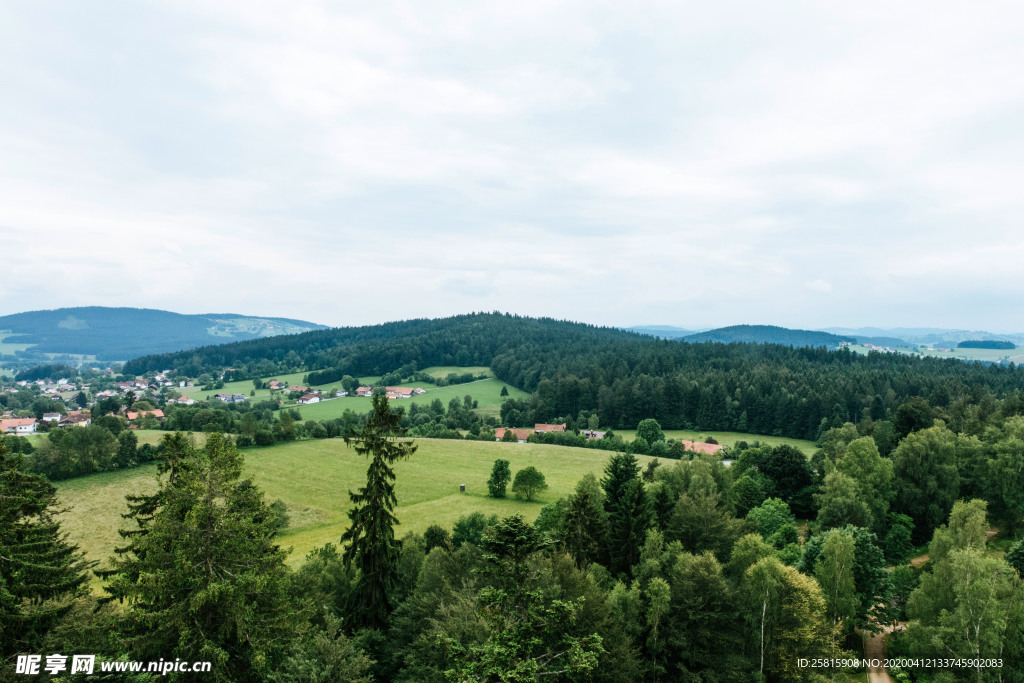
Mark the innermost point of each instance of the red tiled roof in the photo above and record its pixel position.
(701, 447)
(521, 434)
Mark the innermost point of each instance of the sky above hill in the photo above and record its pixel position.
(803, 164)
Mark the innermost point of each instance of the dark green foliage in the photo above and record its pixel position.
(436, 537)
(898, 543)
(784, 466)
(40, 572)
(628, 513)
(912, 416)
(584, 525)
(529, 482)
(986, 344)
(500, 476)
(370, 544)
(531, 635)
(326, 656)
(201, 576)
(1015, 557)
(470, 528)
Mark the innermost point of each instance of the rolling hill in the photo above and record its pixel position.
(768, 334)
(118, 334)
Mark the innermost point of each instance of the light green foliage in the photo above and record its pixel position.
(529, 482)
(770, 516)
(841, 502)
(785, 619)
(1006, 475)
(307, 476)
(650, 431)
(834, 571)
(873, 475)
(926, 477)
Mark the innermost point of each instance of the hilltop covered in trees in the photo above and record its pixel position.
(622, 376)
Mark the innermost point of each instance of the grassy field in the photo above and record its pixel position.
(444, 370)
(313, 479)
(486, 392)
(8, 348)
(729, 438)
(988, 355)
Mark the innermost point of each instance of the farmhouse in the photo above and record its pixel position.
(296, 387)
(184, 401)
(701, 447)
(543, 428)
(364, 391)
(18, 425)
(399, 392)
(145, 413)
(521, 434)
(307, 399)
(274, 385)
(76, 419)
(51, 417)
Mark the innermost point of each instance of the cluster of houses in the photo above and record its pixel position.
(523, 434)
(21, 426)
(392, 392)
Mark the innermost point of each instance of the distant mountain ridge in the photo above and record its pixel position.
(663, 331)
(769, 334)
(118, 334)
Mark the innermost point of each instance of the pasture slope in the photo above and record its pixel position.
(313, 479)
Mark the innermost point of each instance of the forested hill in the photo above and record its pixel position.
(768, 334)
(624, 377)
(473, 339)
(123, 333)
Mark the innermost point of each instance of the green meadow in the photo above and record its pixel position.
(486, 392)
(729, 438)
(9, 348)
(313, 479)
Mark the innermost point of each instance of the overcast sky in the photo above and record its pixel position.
(804, 164)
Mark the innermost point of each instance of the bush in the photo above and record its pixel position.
(528, 482)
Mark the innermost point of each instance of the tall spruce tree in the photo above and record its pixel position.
(628, 513)
(203, 578)
(371, 546)
(40, 572)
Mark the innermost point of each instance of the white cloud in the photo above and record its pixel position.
(658, 162)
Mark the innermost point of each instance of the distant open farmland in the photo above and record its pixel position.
(313, 479)
(486, 392)
(728, 438)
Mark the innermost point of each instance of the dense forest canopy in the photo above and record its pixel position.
(624, 377)
(986, 344)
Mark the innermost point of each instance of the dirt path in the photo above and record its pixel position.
(874, 648)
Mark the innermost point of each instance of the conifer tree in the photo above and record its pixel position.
(39, 570)
(371, 546)
(202, 576)
(628, 513)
